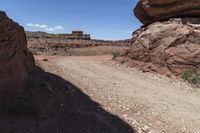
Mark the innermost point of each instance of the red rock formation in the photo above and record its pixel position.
(17, 63)
(148, 11)
(169, 46)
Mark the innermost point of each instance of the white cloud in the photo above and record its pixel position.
(58, 27)
(37, 25)
(29, 24)
(45, 27)
(50, 29)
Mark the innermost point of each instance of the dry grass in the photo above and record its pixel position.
(88, 51)
(92, 51)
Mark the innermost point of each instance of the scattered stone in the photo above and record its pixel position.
(145, 128)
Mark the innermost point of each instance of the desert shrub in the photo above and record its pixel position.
(191, 77)
(187, 75)
(196, 79)
(122, 61)
(115, 54)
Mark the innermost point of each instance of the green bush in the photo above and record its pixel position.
(191, 77)
(187, 75)
(115, 54)
(196, 79)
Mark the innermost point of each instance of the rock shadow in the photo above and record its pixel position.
(62, 108)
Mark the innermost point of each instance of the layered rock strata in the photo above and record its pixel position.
(148, 11)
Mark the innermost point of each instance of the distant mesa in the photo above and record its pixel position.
(75, 35)
(80, 35)
(42, 42)
(148, 11)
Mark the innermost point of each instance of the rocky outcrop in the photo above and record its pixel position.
(169, 40)
(170, 46)
(148, 11)
(17, 63)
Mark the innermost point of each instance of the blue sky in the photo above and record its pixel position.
(103, 19)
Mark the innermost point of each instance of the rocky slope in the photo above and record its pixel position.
(44, 42)
(17, 63)
(171, 46)
(148, 11)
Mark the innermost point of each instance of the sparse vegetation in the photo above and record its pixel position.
(187, 75)
(196, 79)
(87, 51)
(116, 54)
(122, 61)
(92, 51)
(191, 77)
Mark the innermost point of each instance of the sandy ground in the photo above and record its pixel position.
(147, 102)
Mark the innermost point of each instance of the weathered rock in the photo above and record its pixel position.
(17, 63)
(172, 46)
(148, 11)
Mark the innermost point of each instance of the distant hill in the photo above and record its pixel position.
(44, 42)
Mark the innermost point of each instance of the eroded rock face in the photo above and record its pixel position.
(17, 63)
(169, 46)
(148, 11)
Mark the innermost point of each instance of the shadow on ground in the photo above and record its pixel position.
(62, 108)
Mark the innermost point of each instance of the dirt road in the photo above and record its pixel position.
(148, 102)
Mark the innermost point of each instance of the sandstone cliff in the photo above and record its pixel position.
(148, 11)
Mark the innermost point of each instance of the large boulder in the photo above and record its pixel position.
(168, 46)
(17, 63)
(148, 11)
